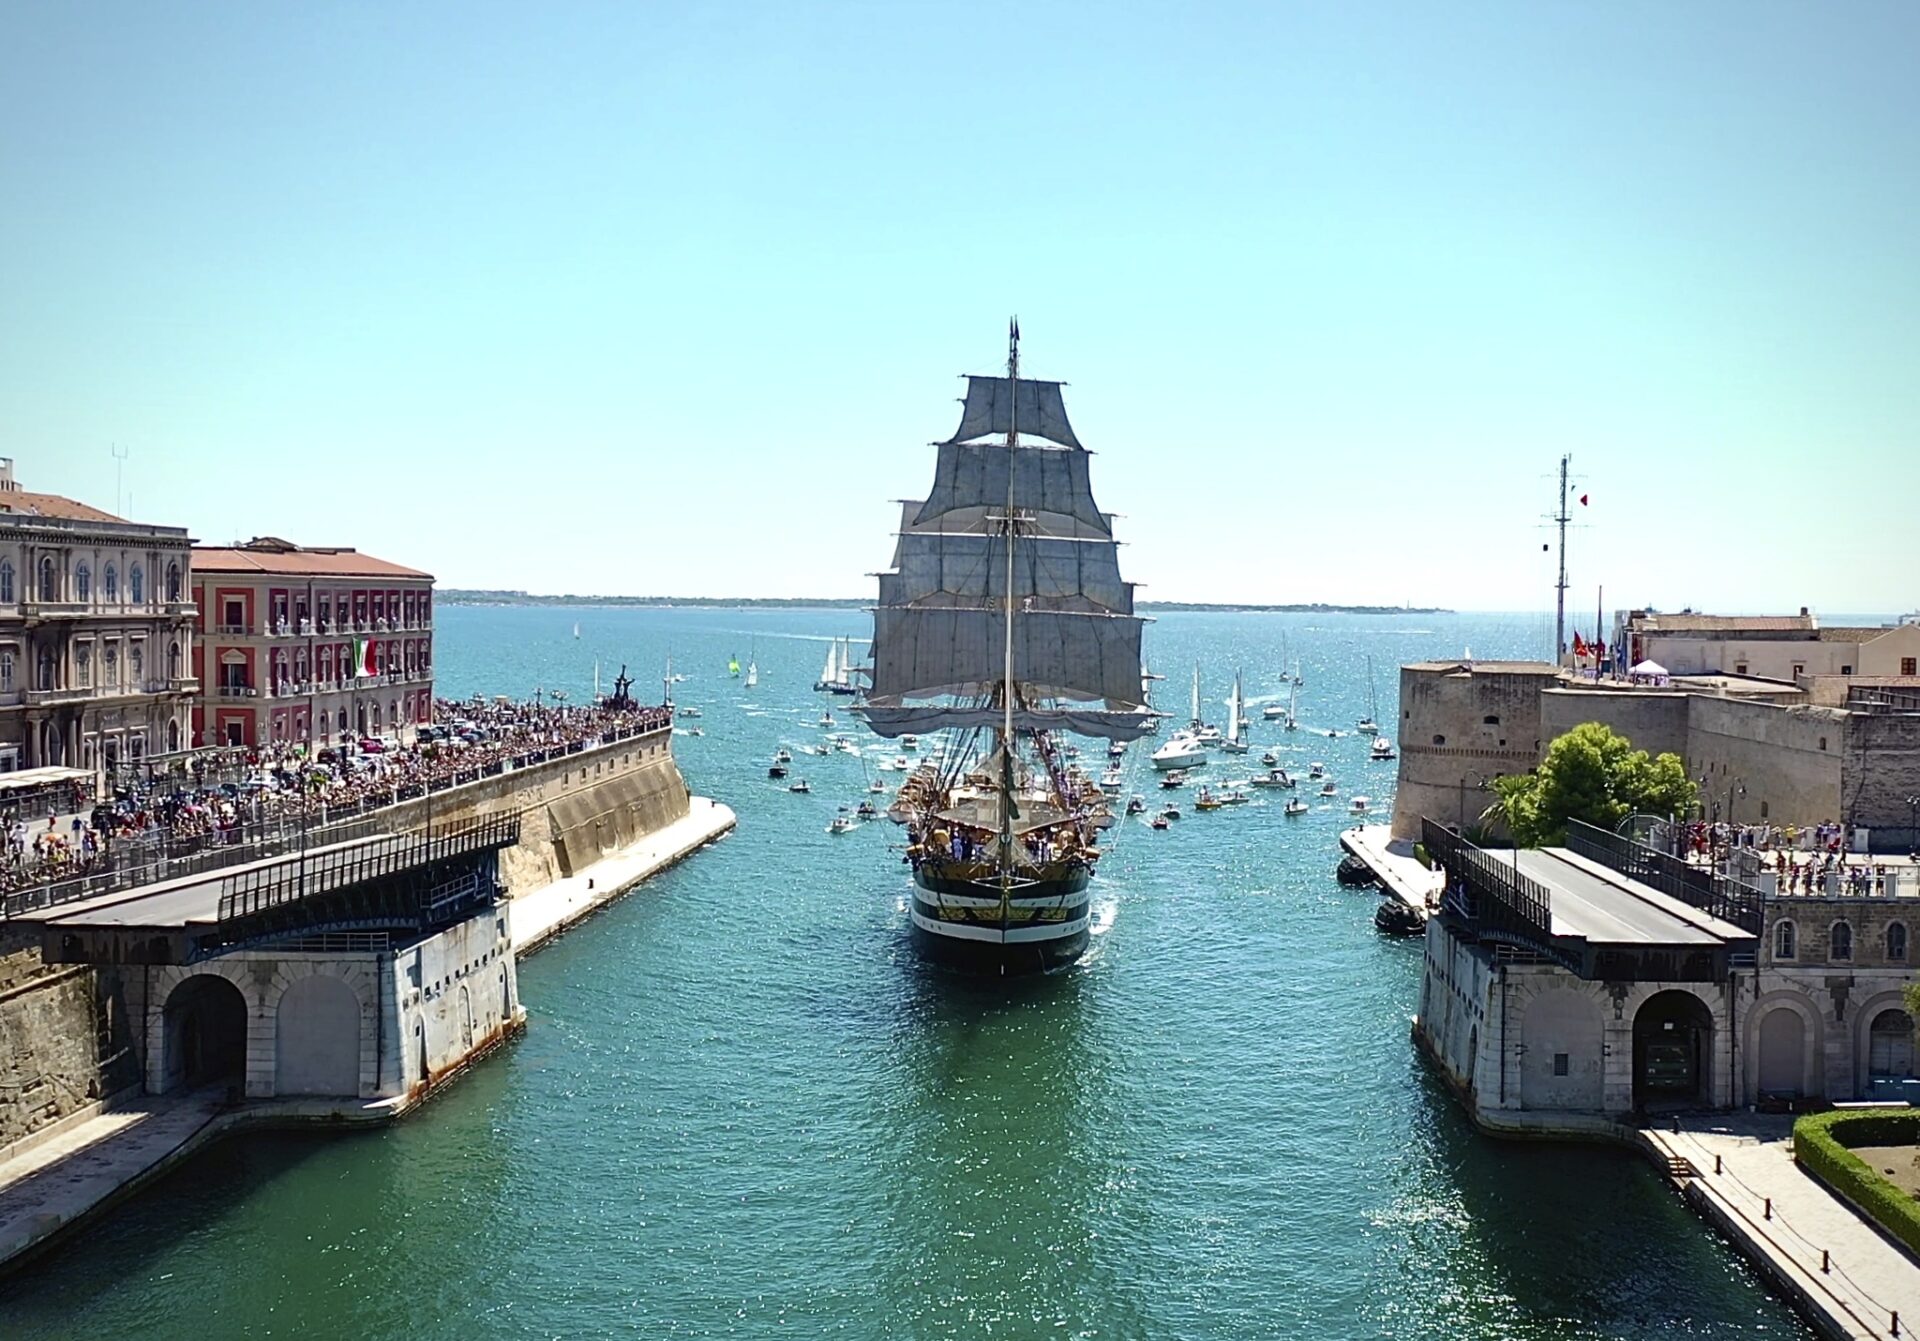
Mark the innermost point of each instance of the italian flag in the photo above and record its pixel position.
(363, 658)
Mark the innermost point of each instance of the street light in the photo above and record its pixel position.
(1913, 826)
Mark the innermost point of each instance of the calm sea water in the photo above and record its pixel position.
(744, 1109)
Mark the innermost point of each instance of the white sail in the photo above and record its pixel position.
(753, 674)
(1196, 693)
(828, 674)
(1233, 711)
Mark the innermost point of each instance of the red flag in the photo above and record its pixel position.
(1579, 645)
(1583, 500)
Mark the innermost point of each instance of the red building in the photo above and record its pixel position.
(317, 645)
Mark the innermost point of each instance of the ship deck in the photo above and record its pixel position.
(983, 812)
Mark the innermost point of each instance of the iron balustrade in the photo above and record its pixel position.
(1492, 899)
(1727, 899)
(250, 893)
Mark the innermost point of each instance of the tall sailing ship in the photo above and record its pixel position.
(1004, 619)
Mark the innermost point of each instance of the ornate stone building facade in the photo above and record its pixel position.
(96, 634)
(316, 645)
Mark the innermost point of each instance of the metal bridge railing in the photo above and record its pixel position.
(1724, 898)
(257, 891)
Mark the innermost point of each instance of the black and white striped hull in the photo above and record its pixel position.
(962, 924)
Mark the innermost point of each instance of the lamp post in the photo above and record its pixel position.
(1735, 788)
(1913, 826)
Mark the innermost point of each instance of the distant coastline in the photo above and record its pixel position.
(467, 596)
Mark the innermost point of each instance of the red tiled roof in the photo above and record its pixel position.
(293, 561)
(21, 502)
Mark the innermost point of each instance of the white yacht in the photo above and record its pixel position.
(1295, 806)
(1182, 750)
(1358, 805)
(1382, 748)
(909, 743)
(1112, 779)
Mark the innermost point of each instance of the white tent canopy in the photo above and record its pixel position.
(1650, 668)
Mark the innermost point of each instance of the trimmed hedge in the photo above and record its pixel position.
(1823, 1142)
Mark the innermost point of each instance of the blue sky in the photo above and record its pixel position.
(669, 299)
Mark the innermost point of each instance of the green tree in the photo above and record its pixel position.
(1594, 774)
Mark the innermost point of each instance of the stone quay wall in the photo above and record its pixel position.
(67, 1034)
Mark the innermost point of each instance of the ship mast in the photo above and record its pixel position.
(1006, 687)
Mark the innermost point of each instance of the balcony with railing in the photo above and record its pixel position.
(37, 609)
(233, 630)
(39, 698)
(235, 691)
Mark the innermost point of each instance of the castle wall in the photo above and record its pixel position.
(1654, 722)
(1457, 728)
(1788, 759)
(66, 1040)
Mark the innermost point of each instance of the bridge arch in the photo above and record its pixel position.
(204, 1032)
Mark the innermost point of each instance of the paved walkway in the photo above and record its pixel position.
(71, 1173)
(1392, 859)
(545, 912)
(1869, 1279)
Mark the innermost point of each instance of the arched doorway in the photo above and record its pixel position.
(205, 1019)
(1672, 1051)
(318, 1038)
(1783, 1052)
(1889, 1055)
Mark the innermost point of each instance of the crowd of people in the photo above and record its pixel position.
(236, 795)
(1704, 838)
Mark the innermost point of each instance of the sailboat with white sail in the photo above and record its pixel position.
(1004, 620)
(1236, 738)
(1367, 725)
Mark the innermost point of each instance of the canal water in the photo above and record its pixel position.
(744, 1109)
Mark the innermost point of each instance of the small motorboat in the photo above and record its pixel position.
(1232, 796)
(900, 763)
(1071, 752)
(1117, 749)
(877, 788)
(695, 731)
(1382, 748)
(1270, 759)
(826, 719)
(867, 810)
(1159, 822)
(1171, 812)
(777, 771)
(1273, 712)
(1273, 777)
(845, 745)
(781, 756)
(687, 712)
(1177, 778)
(1111, 780)
(1316, 770)
(1295, 806)
(1137, 805)
(1206, 800)
(1358, 805)
(909, 743)
(1208, 735)
(1328, 789)
(799, 785)
(841, 824)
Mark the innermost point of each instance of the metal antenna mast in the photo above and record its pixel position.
(1560, 587)
(119, 465)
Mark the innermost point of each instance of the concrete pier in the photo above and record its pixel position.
(1401, 875)
(1739, 1172)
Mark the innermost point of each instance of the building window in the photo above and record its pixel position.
(1739, 668)
(111, 675)
(1763, 810)
(1823, 742)
(173, 661)
(1906, 666)
(1783, 947)
(136, 665)
(173, 581)
(6, 671)
(1897, 942)
(47, 585)
(1439, 740)
(6, 584)
(1840, 943)
(46, 670)
(1846, 670)
(110, 584)
(83, 665)
(83, 583)
(1491, 719)
(1799, 669)
(1560, 1066)
(137, 584)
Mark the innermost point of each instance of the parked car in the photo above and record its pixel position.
(372, 745)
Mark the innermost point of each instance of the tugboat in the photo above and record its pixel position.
(1004, 619)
